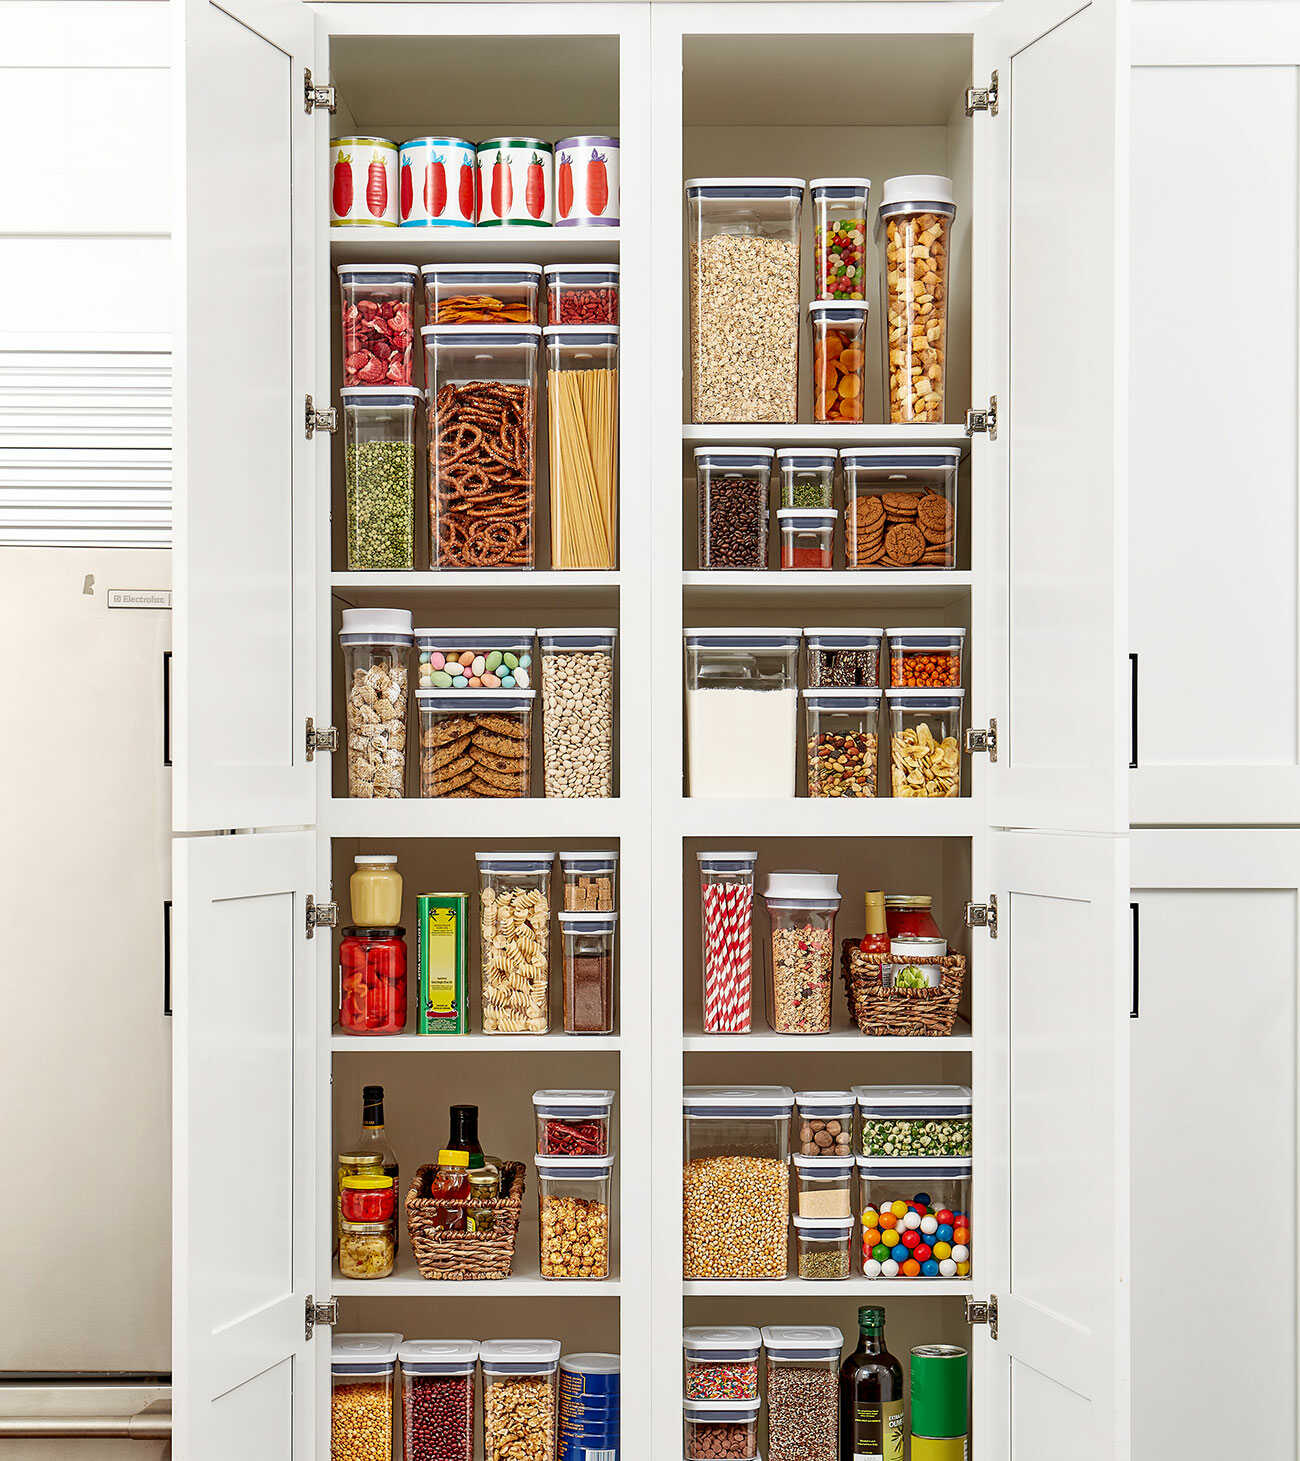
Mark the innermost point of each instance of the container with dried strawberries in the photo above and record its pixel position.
(481, 294)
(378, 317)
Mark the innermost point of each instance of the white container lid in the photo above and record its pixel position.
(901, 636)
(515, 862)
(712, 1410)
(572, 1169)
(582, 332)
(737, 1101)
(808, 456)
(370, 859)
(861, 184)
(378, 626)
(823, 1167)
(425, 694)
(828, 1102)
(591, 1363)
(926, 699)
(485, 332)
(487, 268)
(801, 884)
(737, 1341)
(818, 515)
(750, 638)
(410, 270)
(867, 696)
(955, 1098)
(830, 306)
(918, 1167)
(364, 1353)
(578, 860)
(577, 637)
(833, 1227)
(439, 1356)
(802, 1339)
(587, 922)
(756, 186)
(519, 1356)
(838, 638)
(917, 187)
(490, 638)
(735, 451)
(552, 269)
(574, 1100)
(371, 395)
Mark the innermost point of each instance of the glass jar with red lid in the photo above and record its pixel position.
(367, 1199)
(372, 981)
(907, 915)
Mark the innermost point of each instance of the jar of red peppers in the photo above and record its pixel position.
(907, 915)
(367, 1199)
(573, 1123)
(438, 1399)
(372, 981)
(581, 294)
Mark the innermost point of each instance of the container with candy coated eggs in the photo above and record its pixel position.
(915, 1217)
(475, 659)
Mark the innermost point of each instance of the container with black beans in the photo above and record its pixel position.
(732, 485)
(438, 1399)
(843, 658)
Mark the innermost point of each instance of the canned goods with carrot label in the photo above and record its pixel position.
(586, 182)
(363, 182)
(515, 183)
(439, 183)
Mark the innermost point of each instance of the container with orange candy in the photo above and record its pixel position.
(839, 333)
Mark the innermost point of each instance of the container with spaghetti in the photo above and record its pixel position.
(726, 920)
(582, 396)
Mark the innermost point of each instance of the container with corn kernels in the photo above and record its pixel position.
(913, 229)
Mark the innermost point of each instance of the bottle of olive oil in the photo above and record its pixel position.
(871, 1396)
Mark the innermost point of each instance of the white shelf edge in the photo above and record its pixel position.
(829, 817)
(882, 433)
(446, 1044)
(838, 1041)
(549, 817)
(433, 245)
(836, 580)
(937, 1288)
(487, 578)
(406, 1282)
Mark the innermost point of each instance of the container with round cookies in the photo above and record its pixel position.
(475, 743)
(900, 507)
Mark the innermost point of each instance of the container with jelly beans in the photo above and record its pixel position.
(840, 237)
(475, 659)
(915, 1217)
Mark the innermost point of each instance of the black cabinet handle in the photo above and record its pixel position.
(167, 956)
(167, 707)
(1133, 712)
(1133, 916)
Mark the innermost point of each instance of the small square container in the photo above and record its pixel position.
(807, 536)
(720, 1428)
(806, 476)
(474, 659)
(732, 484)
(588, 964)
(801, 909)
(823, 1123)
(824, 1187)
(925, 659)
(573, 1195)
(839, 339)
(590, 881)
(476, 742)
(378, 321)
(578, 711)
(361, 1393)
(803, 1374)
(847, 658)
(520, 1390)
(843, 741)
(376, 645)
(823, 1247)
(581, 294)
(900, 506)
(741, 691)
(930, 1198)
(573, 1123)
(912, 234)
(438, 1399)
(481, 294)
(721, 1362)
(515, 941)
(915, 1121)
(925, 742)
(840, 237)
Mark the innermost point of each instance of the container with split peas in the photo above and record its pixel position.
(839, 337)
(925, 659)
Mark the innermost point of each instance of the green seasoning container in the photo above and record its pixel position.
(938, 1395)
(515, 183)
(440, 960)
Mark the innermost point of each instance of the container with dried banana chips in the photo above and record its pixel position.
(925, 742)
(476, 743)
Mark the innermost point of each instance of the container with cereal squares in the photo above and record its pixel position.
(925, 659)
(914, 222)
(475, 742)
(900, 507)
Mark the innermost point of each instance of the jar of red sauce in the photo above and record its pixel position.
(367, 1199)
(907, 915)
(372, 981)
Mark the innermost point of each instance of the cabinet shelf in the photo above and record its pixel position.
(524, 1282)
(765, 1042)
(919, 1288)
(544, 580)
(472, 245)
(896, 588)
(454, 1044)
(881, 433)
(829, 817)
(551, 818)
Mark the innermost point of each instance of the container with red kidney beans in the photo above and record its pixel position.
(439, 183)
(515, 183)
(481, 294)
(586, 183)
(581, 294)
(721, 1362)
(573, 1123)
(438, 1399)
(363, 182)
(378, 316)
(925, 659)
(372, 981)
(848, 658)
(732, 487)
(840, 237)
(807, 536)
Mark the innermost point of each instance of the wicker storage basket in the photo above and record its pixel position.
(880, 1011)
(443, 1255)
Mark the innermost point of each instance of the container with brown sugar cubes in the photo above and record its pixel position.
(588, 879)
(913, 227)
(438, 1399)
(925, 659)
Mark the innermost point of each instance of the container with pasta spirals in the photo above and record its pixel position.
(515, 938)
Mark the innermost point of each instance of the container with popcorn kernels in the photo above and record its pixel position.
(363, 182)
(586, 182)
(515, 183)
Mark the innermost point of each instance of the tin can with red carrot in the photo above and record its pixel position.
(363, 182)
(586, 182)
(515, 183)
(438, 186)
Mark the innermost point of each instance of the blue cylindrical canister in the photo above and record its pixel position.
(590, 1402)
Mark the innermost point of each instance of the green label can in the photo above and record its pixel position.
(939, 1379)
(440, 955)
(516, 183)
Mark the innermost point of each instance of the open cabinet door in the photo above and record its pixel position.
(1051, 341)
(244, 1144)
(245, 501)
(1054, 1384)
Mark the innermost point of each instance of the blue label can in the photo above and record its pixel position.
(590, 1400)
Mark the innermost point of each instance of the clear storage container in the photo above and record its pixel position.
(476, 742)
(475, 659)
(376, 646)
(824, 1187)
(379, 475)
(925, 659)
(741, 707)
(367, 1250)
(823, 1247)
(807, 476)
(582, 409)
(807, 537)
(721, 1362)
(912, 236)
(743, 277)
(925, 742)
(801, 909)
(726, 924)
(372, 981)
(581, 294)
(519, 1398)
(848, 658)
(735, 1187)
(481, 294)
(915, 1217)
(843, 741)
(438, 1399)
(482, 444)
(823, 1123)
(731, 485)
(514, 941)
(839, 339)
(578, 711)
(840, 237)
(573, 1123)
(803, 1377)
(589, 881)
(573, 1212)
(915, 1121)
(361, 1395)
(378, 319)
(720, 1428)
(900, 507)
(588, 940)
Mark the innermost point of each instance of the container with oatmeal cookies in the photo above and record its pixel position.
(376, 645)
(476, 743)
(900, 506)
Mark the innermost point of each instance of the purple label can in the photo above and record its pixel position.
(586, 182)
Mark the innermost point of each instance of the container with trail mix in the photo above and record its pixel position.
(361, 1396)
(913, 227)
(438, 1399)
(900, 506)
(721, 1362)
(842, 741)
(376, 646)
(823, 1123)
(803, 1369)
(379, 474)
(847, 658)
(520, 1391)
(915, 1121)
(732, 489)
(717, 1429)
(801, 909)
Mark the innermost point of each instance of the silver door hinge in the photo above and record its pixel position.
(320, 915)
(983, 98)
(983, 419)
(984, 1311)
(318, 96)
(326, 419)
(984, 915)
(328, 1313)
(985, 740)
(324, 739)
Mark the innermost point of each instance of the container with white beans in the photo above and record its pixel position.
(578, 711)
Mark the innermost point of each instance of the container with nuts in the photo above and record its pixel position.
(823, 1123)
(842, 741)
(915, 1121)
(925, 742)
(520, 1388)
(515, 941)
(925, 659)
(578, 711)
(900, 507)
(376, 646)
(438, 1399)
(573, 1210)
(721, 1429)
(361, 1396)
(914, 223)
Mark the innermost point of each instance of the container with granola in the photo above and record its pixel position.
(801, 908)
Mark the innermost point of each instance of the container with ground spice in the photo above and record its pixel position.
(577, 711)
(913, 225)
(744, 297)
(379, 475)
(573, 1123)
(588, 940)
(481, 294)
(573, 1202)
(807, 476)
(589, 881)
(925, 659)
(361, 1396)
(801, 908)
(925, 742)
(735, 1183)
(438, 1399)
(376, 646)
(519, 1398)
(900, 506)
(915, 1121)
(848, 658)
(824, 1186)
(719, 1430)
(803, 1376)
(823, 1123)
(476, 742)
(731, 484)
(842, 741)
(823, 1247)
(807, 537)
(514, 941)
(721, 1362)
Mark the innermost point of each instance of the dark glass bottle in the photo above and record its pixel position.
(871, 1396)
(464, 1130)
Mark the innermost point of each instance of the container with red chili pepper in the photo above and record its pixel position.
(581, 294)
(366, 1199)
(907, 915)
(925, 659)
(372, 981)
(807, 536)
(573, 1123)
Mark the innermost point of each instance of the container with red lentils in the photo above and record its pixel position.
(438, 1399)
(925, 659)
